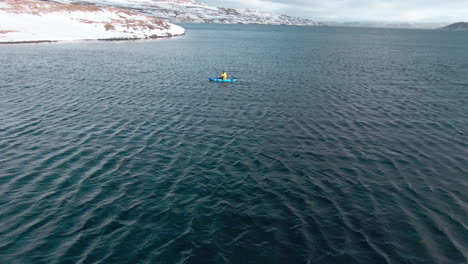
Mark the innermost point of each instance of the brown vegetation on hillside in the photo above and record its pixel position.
(109, 26)
(39, 7)
(6, 31)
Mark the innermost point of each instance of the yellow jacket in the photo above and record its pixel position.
(224, 75)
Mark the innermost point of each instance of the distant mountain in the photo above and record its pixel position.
(387, 24)
(460, 26)
(195, 12)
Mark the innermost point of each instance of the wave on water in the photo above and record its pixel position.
(339, 154)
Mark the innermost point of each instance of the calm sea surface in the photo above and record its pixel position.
(337, 145)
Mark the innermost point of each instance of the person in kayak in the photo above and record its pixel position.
(223, 75)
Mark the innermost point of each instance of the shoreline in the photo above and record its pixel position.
(28, 42)
(79, 40)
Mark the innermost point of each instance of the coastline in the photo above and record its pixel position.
(79, 40)
(28, 42)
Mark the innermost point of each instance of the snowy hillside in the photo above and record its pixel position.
(191, 11)
(29, 21)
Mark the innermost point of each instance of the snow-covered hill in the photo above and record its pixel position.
(192, 11)
(30, 21)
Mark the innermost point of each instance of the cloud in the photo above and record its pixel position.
(359, 10)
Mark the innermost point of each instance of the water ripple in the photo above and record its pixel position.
(329, 149)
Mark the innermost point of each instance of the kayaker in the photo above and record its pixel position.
(223, 75)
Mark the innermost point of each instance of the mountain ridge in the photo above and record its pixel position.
(194, 12)
(389, 24)
(459, 26)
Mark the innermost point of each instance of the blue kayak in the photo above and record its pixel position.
(221, 80)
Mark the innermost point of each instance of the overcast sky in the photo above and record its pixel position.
(359, 10)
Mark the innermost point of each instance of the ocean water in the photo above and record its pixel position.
(336, 145)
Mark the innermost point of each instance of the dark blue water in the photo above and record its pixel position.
(337, 145)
